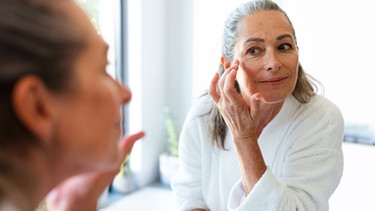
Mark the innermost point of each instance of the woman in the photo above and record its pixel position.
(262, 139)
(60, 110)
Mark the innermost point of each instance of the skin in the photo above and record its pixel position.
(89, 129)
(81, 192)
(266, 68)
(79, 130)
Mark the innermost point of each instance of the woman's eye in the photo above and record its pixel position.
(285, 47)
(253, 51)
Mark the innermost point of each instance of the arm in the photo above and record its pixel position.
(82, 192)
(242, 118)
(309, 170)
(312, 167)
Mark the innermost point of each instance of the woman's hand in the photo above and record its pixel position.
(241, 115)
(242, 118)
(82, 192)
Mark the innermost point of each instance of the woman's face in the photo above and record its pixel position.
(88, 126)
(268, 56)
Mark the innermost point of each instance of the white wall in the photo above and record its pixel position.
(336, 40)
(209, 16)
(179, 36)
(159, 75)
(147, 79)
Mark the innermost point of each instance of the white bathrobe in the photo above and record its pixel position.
(301, 146)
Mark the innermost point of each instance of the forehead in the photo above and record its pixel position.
(72, 11)
(264, 23)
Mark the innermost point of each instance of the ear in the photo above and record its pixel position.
(32, 105)
(225, 62)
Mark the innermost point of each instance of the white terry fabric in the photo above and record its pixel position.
(302, 150)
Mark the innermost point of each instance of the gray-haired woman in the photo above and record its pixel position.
(261, 139)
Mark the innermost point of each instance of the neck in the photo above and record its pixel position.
(267, 113)
(31, 176)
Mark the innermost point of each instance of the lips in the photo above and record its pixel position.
(276, 81)
(273, 80)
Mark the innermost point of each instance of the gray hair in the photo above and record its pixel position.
(230, 32)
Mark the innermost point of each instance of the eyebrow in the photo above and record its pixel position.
(262, 40)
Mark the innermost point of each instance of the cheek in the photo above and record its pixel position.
(293, 68)
(105, 123)
(101, 113)
(105, 105)
(246, 76)
(292, 63)
(250, 68)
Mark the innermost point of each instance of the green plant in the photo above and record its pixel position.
(172, 135)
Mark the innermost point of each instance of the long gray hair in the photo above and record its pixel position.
(304, 90)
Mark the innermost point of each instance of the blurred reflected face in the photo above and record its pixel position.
(88, 128)
(268, 56)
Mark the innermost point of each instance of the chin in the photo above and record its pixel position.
(273, 99)
(108, 157)
(107, 162)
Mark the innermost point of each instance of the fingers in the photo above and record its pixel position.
(81, 192)
(228, 89)
(229, 71)
(226, 83)
(255, 106)
(126, 145)
(212, 89)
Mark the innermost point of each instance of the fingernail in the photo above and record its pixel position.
(256, 97)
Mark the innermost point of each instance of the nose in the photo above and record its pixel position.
(125, 93)
(272, 61)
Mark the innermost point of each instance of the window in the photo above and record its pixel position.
(122, 25)
(104, 15)
(107, 17)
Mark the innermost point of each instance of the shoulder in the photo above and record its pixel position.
(319, 116)
(201, 106)
(317, 123)
(318, 106)
(195, 124)
(322, 103)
